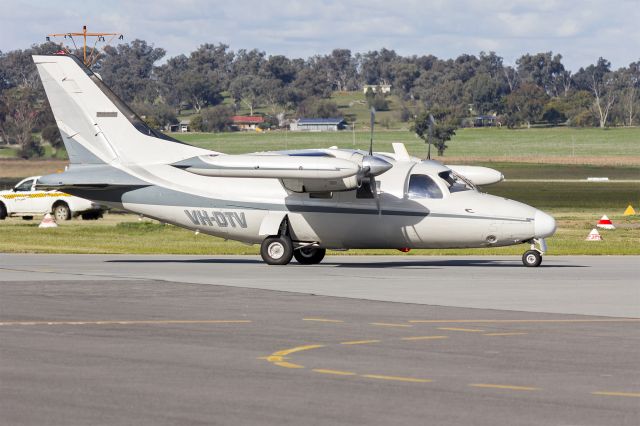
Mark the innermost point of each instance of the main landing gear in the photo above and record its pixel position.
(533, 258)
(279, 250)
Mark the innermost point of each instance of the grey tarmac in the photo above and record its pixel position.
(180, 340)
(585, 285)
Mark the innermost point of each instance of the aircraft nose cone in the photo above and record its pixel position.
(545, 225)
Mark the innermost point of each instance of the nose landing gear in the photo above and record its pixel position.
(533, 258)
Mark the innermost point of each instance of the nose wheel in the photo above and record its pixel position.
(533, 258)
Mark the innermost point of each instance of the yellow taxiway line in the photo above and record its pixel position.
(507, 387)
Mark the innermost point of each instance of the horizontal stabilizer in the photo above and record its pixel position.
(269, 166)
(89, 176)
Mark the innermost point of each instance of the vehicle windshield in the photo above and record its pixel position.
(24, 186)
(422, 186)
(457, 183)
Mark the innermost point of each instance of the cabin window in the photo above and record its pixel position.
(24, 186)
(422, 186)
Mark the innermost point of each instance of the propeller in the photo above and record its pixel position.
(373, 119)
(432, 121)
(373, 166)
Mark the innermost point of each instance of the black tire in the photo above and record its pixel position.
(531, 258)
(309, 255)
(61, 211)
(91, 215)
(3, 211)
(277, 250)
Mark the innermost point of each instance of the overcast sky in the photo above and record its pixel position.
(580, 30)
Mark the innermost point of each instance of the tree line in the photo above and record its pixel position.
(214, 82)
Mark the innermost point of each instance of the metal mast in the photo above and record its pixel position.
(100, 37)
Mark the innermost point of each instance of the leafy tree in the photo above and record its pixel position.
(128, 68)
(525, 104)
(377, 100)
(196, 123)
(318, 108)
(19, 114)
(156, 115)
(545, 71)
(441, 131)
(217, 118)
(600, 81)
(248, 91)
(52, 135)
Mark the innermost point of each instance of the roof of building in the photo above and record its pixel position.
(312, 121)
(247, 119)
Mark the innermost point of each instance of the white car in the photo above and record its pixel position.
(26, 201)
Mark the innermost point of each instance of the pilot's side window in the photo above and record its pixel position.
(422, 186)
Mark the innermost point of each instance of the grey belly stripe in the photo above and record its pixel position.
(154, 195)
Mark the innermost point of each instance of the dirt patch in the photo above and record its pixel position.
(546, 159)
(24, 168)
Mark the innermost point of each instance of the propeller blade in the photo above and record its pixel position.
(373, 119)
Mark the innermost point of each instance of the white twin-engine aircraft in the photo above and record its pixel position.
(294, 203)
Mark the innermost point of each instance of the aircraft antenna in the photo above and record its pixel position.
(89, 59)
(432, 121)
(373, 119)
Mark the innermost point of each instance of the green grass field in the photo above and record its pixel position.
(485, 144)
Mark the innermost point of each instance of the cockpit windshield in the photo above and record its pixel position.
(457, 183)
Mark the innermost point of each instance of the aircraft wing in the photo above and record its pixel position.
(270, 166)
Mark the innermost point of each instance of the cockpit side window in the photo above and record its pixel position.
(422, 186)
(456, 183)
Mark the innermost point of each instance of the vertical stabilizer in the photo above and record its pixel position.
(96, 126)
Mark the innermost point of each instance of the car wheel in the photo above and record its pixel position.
(309, 255)
(61, 212)
(277, 250)
(531, 258)
(3, 211)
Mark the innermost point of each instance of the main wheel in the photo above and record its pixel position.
(62, 212)
(3, 211)
(531, 258)
(309, 255)
(94, 215)
(277, 250)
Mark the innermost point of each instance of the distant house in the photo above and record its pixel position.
(383, 88)
(246, 122)
(181, 127)
(317, 124)
(484, 121)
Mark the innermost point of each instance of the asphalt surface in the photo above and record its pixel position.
(585, 285)
(114, 340)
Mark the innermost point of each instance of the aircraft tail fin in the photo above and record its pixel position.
(96, 126)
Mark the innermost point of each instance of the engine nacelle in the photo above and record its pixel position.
(322, 185)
